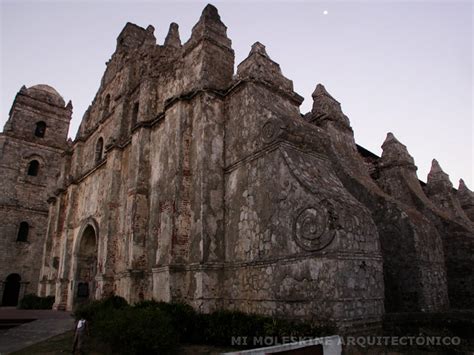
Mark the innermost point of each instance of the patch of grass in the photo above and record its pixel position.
(62, 344)
(55, 345)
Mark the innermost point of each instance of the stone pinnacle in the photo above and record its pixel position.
(210, 12)
(462, 187)
(172, 38)
(320, 90)
(435, 167)
(437, 174)
(259, 48)
(394, 151)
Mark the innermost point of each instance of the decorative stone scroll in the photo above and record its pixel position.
(270, 131)
(312, 228)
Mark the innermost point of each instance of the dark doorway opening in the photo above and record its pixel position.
(86, 266)
(11, 290)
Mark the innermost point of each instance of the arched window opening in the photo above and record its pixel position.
(40, 129)
(23, 232)
(135, 114)
(107, 105)
(99, 150)
(33, 168)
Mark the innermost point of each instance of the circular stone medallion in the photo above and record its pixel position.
(311, 230)
(269, 131)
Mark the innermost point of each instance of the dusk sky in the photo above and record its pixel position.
(401, 66)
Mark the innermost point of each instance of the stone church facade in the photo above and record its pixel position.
(187, 181)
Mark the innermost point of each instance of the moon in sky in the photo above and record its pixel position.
(325, 12)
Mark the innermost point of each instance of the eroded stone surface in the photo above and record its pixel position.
(466, 198)
(36, 130)
(186, 182)
(396, 174)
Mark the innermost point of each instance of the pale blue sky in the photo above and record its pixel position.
(403, 66)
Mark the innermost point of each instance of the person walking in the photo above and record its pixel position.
(79, 335)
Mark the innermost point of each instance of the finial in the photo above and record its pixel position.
(320, 90)
(435, 167)
(327, 108)
(211, 27)
(210, 12)
(172, 38)
(390, 137)
(466, 199)
(462, 186)
(258, 48)
(395, 152)
(69, 105)
(258, 65)
(466, 196)
(437, 174)
(150, 29)
(23, 89)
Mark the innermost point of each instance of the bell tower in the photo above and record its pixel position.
(31, 146)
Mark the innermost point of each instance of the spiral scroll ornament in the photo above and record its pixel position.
(312, 230)
(270, 131)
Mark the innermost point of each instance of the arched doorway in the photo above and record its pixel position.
(86, 266)
(11, 290)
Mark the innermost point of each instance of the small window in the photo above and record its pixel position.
(135, 114)
(107, 105)
(23, 232)
(99, 148)
(40, 129)
(33, 168)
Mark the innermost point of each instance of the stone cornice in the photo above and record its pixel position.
(330, 254)
(35, 144)
(22, 208)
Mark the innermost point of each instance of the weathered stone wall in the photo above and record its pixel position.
(309, 254)
(466, 199)
(23, 196)
(127, 114)
(396, 174)
(188, 192)
(187, 182)
(294, 241)
(414, 276)
(458, 232)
